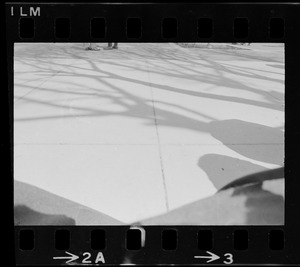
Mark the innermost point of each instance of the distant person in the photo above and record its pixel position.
(241, 43)
(93, 47)
(112, 46)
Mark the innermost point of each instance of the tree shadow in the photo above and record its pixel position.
(279, 66)
(244, 138)
(218, 80)
(253, 55)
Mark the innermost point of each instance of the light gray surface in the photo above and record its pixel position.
(137, 132)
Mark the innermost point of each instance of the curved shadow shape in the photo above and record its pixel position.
(252, 140)
(223, 170)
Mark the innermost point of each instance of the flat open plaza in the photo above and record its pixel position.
(140, 131)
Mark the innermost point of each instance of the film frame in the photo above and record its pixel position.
(76, 240)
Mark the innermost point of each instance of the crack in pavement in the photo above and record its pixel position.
(158, 141)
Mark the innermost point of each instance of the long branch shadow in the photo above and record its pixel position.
(202, 78)
(219, 67)
(225, 131)
(158, 53)
(168, 88)
(252, 55)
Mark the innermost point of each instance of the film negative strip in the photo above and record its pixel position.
(151, 133)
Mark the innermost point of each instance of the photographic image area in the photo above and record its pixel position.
(148, 133)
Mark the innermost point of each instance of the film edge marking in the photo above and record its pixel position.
(86, 259)
(33, 12)
(214, 257)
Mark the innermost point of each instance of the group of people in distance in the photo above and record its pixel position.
(242, 43)
(94, 47)
(110, 46)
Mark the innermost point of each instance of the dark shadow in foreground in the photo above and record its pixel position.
(35, 206)
(254, 204)
(26, 216)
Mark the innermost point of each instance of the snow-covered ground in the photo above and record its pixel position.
(148, 128)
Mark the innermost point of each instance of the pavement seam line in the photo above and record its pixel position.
(158, 141)
(39, 85)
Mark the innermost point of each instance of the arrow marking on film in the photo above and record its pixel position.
(212, 257)
(72, 258)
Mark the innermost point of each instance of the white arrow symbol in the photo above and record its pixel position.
(72, 258)
(212, 257)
